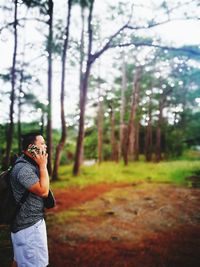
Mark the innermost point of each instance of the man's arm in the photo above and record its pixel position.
(41, 188)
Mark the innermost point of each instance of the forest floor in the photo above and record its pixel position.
(142, 224)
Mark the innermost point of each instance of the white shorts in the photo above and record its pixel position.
(30, 246)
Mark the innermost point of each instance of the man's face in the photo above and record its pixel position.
(40, 142)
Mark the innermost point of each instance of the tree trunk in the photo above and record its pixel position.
(81, 63)
(135, 101)
(100, 131)
(83, 95)
(158, 144)
(114, 152)
(122, 109)
(62, 141)
(42, 123)
(19, 126)
(148, 136)
(100, 127)
(20, 108)
(80, 138)
(158, 131)
(136, 148)
(184, 90)
(9, 135)
(148, 142)
(131, 141)
(49, 113)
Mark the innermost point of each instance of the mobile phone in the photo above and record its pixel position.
(33, 150)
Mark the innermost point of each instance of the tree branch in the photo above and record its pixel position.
(107, 45)
(19, 20)
(90, 31)
(137, 44)
(151, 25)
(130, 27)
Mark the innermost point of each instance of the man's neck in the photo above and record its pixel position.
(29, 158)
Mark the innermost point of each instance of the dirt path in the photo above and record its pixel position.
(138, 225)
(74, 196)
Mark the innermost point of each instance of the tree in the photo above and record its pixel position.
(84, 5)
(12, 95)
(132, 119)
(49, 84)
(84, 86)
(62, 141)
(122, 107)
(114, 145)
(83, 94)
(100, 116)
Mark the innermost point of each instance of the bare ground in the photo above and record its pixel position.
(118, 225)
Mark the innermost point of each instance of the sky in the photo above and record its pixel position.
(176, 33)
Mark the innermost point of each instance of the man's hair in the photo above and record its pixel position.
(29, 138)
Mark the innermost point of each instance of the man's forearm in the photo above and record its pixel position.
(44, 179)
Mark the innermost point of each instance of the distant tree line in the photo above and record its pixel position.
(151, 107)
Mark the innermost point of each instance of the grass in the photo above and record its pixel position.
(110, 172)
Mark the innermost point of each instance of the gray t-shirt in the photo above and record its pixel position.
(24, 174)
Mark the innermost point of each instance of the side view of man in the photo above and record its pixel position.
(28, 231)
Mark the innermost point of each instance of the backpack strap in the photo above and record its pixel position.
(25, 195)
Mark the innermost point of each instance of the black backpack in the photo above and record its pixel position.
(8, 205)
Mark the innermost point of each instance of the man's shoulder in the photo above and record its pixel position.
(24, 161)
(23, 166)
(24, 173)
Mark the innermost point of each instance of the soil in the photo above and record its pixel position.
(125, 225)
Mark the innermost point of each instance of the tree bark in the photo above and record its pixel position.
(122, 108)
(162, 101)
(83, 95)
(148, 136)
(158, 133)
(114, 148)
(82, 56)
(49, 85)
(80, 138)
(62, 140)
(9, 136)
(136, 148)
(135, 100)
(20, 109)
(100, 127)
(100, 132)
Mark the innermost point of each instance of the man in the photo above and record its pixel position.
(28, 231)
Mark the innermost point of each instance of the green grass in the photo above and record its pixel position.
(109, 172)
(190, 155)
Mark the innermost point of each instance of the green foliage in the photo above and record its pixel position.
(192, 129)
(32, 3)
(26, 127)
(67, 155)
(90, 143)
(190, 155)
(175, 143)
(5, 77)
(83, 3)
